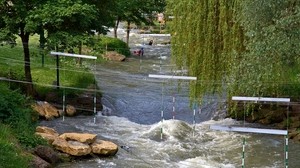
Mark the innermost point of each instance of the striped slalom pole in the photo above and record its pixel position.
(194, 122)
(64, 106)
(173, 107)
(286, 158)
(161, 129)
(243, 154)
(194, 118)
(95, 100)
(162, 110)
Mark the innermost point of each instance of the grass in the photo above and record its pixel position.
(17, 121)
(43, 69)
(11, 155)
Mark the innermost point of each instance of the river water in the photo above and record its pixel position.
(132, 119)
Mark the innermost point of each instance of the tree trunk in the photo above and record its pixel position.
(116, 27)
(29, 86)
(128, 31)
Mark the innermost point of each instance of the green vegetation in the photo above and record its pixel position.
(43, 72)
(246, 48)
(16, 115)
(112, 44)
(17, 126)
(11, 155)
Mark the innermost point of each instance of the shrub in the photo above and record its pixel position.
(112, 44)
(15, 112)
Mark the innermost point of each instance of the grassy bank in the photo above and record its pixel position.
(17, 119)
(10, 154)
(17, 127)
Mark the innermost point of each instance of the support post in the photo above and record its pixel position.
(57, 72)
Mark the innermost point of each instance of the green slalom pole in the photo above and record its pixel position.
(286, 159)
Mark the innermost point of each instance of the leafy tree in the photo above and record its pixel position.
(135, 11)
(75, 18)
(246, 47)
(13, 19)
(206, 39)
(272, 39)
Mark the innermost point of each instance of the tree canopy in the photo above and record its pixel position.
(60, 18)
(242, 47)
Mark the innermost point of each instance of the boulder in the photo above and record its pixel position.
(70, 110)
(46, 130)
(38, 162)
(47, 154)
(44, 109)
(80, 137)
(114, 56)
(48, 137)
(73, 148)
(78, 149)
(104, 148)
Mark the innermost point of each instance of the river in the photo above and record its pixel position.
(132, 119)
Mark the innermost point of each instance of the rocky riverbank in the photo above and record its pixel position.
(278, 116)
(69, 146)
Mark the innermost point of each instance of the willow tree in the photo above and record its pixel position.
(206, 39)
(269, 66)
(248, 47)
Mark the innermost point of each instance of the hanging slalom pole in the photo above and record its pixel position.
(169, 77)
(162, 110)
(194, 118)
(57, 54)
(173, 107)
(286, 154)
(64, 93)
(258, 130)
(64, 105)
(243, 153)
(95, 95)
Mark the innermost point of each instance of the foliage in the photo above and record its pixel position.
(206, 39)
(112, 44)
(248, 48)
(15, 111)
(272, 38)
(10, 154)
(74, 18)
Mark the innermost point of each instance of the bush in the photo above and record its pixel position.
(15, 112)
(112, 44)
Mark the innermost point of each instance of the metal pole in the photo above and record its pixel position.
(57, 72)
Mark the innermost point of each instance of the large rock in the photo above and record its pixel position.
(46, 110)
(73, 148)
(38, 162)
(48, 137)
(70, 110)
(105, 148)
(114, 56)
(47, 154)
(80, 137)
(46, 130)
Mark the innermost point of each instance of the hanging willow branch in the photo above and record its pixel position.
(237, 47)
(206, 39)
